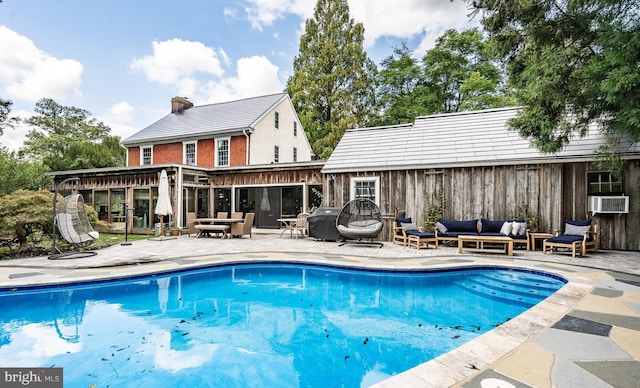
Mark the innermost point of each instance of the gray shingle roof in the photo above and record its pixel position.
(204, 120)
(450, 140)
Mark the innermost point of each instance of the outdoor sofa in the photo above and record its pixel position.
(449, 230)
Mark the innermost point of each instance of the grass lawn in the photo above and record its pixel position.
(43, 246)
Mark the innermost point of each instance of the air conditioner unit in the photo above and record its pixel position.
(614, 204)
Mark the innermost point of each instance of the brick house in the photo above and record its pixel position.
(252, 131)
(249, 155)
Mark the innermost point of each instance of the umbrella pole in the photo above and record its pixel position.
(161, 225)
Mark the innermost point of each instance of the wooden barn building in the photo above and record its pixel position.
(469, 165)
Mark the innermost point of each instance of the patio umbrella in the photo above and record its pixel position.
(163, 206)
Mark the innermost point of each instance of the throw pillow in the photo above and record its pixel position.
(523, 229)
(506, 228)
(441, 228)
(409, 226)
(515, 228)
(575, 230)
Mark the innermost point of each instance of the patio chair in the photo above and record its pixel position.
(301, 225)
(579, 236)
(360, 222)
(399, 237)
(241, 228)
(223, 215)
(71, 221)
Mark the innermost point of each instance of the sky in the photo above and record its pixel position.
(123, 61)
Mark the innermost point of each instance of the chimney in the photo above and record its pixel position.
(179, 104)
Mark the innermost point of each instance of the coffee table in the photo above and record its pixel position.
(507, 241)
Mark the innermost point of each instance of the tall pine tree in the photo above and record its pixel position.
(332, 87)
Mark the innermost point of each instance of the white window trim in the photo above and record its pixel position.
(142, 147)
(376, 179)
(217, 157)
(195, 151)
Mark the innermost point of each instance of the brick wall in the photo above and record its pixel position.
(173, 153)
(134, 156)
(238, 151)
(206, 153)
(167, 153)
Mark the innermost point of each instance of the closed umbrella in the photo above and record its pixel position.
(163, 206)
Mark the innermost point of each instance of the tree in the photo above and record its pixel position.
(18, 174)
(5, 120)
(460, 75)
(67, 138)
(398, 80)
(332, 85)
(572, 63)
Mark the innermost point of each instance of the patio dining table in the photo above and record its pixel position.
(288, 224)
(213, 221)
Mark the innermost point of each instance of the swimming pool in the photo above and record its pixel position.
(259, 324)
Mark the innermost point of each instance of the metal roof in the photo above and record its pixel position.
(205, 120)
(473, 138)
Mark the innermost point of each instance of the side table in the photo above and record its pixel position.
(537, 236)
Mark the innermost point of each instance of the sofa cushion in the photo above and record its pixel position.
(400, 221)
(579, 222)
(456, 234)
(490, 226)
(420, 234)
(564, 239)
(470, 226)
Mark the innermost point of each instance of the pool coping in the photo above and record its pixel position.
(448, 369)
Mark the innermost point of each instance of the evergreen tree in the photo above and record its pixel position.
(332, 86)
(571, 63)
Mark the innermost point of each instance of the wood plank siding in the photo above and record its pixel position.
(555, 192)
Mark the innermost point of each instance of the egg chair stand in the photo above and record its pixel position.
(360, 222)
(71, 221)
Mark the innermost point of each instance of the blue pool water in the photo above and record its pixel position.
(258, 325)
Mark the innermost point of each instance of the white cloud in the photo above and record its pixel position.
(410, 18)
(29, 74)
(119, 118)
(255, 76)
(265, 12)
(174, 60)
(13, 138)
(403, 19)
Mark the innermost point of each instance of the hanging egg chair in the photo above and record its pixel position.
(71, 221)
